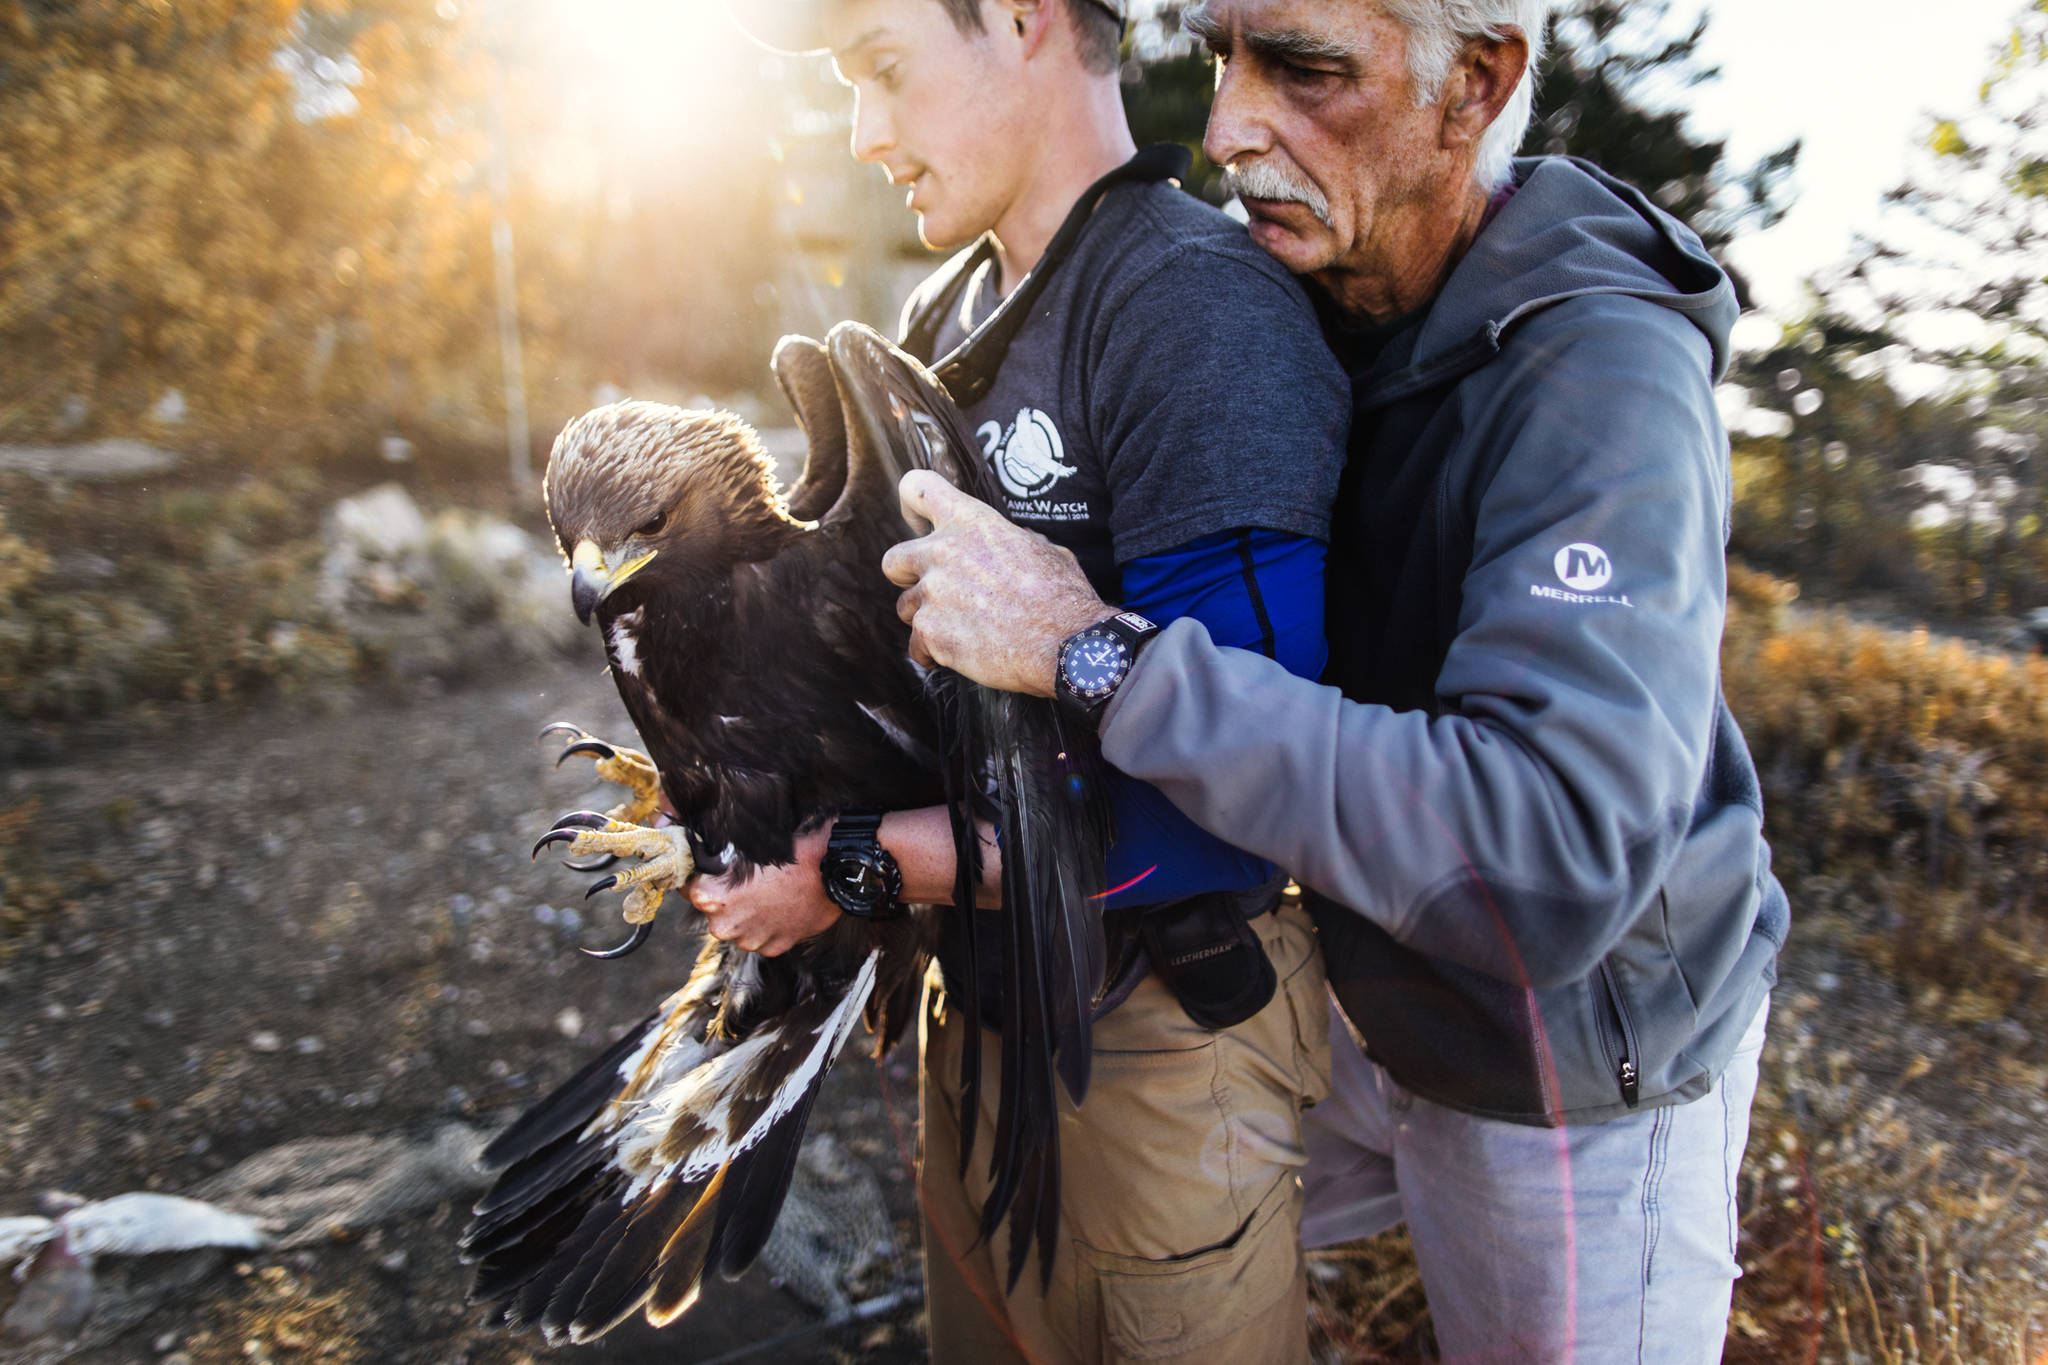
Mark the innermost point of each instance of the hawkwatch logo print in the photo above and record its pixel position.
(1028, 457)
(1584, 569)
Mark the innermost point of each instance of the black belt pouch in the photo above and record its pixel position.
(1205, 950)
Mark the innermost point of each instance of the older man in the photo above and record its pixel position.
(1530, 826)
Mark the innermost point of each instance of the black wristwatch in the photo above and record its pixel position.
(1094, 662)
(860, 876)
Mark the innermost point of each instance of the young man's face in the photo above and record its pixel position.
(935, 107)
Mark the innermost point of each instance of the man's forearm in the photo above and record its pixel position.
(921, 842)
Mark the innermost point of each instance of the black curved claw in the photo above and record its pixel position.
(603, 884)
(562, 727)
(565, 829)
(596, 748)
(597, 864)
(640, 935)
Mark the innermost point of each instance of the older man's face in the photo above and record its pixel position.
(1315, 112)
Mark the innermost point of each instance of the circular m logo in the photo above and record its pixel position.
(1584, 568)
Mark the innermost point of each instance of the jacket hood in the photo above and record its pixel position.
(1571, 229)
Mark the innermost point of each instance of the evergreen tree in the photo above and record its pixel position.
(1598, 97)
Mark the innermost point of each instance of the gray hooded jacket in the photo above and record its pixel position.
(1530, 828)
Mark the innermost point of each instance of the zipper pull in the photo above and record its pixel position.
(1630, 1091)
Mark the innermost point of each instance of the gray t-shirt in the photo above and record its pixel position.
(1172, 383)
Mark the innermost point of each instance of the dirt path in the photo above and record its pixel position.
(311, 921)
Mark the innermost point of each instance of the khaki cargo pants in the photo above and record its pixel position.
(1180, 1212)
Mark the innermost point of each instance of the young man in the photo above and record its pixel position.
(1530, 826)
(1169, 416)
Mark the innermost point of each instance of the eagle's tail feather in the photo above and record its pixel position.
(526, 1307)
(757, 1180)
(610, 1288)
(483, 1240)
(680, 1276)
(570, 1105)
(628, 1205)
(503, 1270)
(551, 1169)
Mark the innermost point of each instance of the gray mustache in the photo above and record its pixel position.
(1265, 180)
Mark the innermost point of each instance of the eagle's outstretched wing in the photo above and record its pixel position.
(1044, 777)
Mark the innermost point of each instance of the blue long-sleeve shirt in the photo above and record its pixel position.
(1256, 590)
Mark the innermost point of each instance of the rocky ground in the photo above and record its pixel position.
(320, 920)
(315, 920)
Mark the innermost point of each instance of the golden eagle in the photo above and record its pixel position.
(756, 645)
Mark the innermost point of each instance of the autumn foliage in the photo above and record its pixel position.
(1912, 770)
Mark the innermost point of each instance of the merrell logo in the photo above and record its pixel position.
(1583, 599)
(1584, 568)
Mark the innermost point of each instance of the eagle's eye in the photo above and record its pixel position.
(654, 525)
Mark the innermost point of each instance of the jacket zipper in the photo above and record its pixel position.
(1625, 1073)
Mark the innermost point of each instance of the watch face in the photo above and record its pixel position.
(1095, 664)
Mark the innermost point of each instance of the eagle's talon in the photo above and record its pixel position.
(629, 768)
(581, 819)
(641, 932)
(596, 748)
(666, 862)
(597, 864)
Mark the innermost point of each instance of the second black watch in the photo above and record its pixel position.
(860, 875)
(1094, 662)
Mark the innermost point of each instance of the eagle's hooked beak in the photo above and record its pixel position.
(592, 578)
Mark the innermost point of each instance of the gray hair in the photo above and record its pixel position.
(1438, 31)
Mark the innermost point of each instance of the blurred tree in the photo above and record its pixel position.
(265, 227)
(1608, 91)
(1924, 370)
(228, 215)
(1168, 81)
(1613, 79)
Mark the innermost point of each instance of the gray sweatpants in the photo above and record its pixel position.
(1592, 1245)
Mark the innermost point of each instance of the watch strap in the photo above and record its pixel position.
(854, 831)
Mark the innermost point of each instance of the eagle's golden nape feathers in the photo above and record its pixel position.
(619, 466)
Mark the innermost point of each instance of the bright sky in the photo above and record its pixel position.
(1856, 79)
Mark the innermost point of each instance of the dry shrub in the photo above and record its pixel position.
(30, 900)
(1885, 1245)
(1914, 770)
(128, 600)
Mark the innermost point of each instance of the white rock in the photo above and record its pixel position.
(143, 1223)
(21, 1238)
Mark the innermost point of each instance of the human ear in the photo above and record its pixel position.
(1482, 81)
(1029, 20)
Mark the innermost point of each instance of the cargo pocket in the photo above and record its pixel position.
(1156, 1310)
(1309, 1003)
